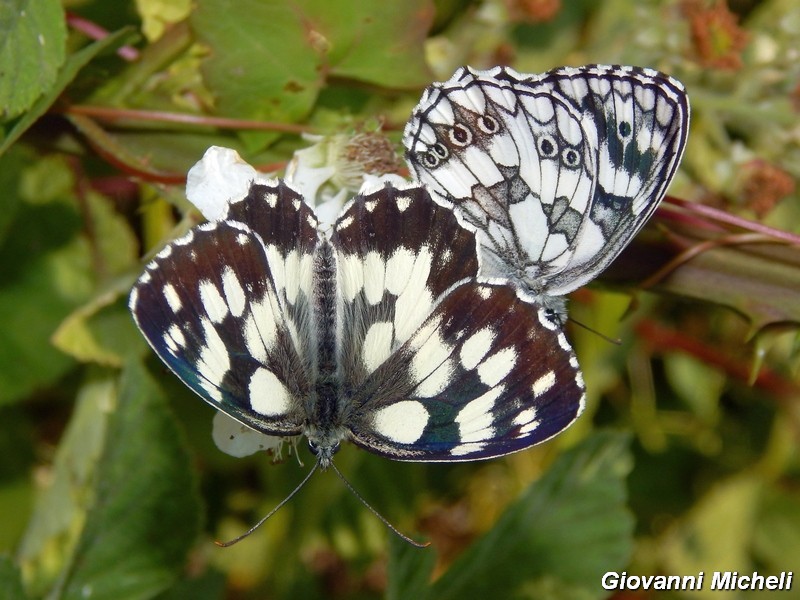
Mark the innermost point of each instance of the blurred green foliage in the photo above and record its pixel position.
(110, 485)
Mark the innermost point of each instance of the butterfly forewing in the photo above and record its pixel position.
(211, 308)
(397, 253)
(556, 171)
(287, 226)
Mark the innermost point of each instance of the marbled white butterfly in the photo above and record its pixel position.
(380, 333)
(557, 172)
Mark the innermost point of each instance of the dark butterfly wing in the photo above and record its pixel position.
(397, 253)
(487, 374)
(436, 365)
(213, 305)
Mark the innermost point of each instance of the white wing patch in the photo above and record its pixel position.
(377, 345)
(403, 422)
(268, 395)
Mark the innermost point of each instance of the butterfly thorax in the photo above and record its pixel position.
(526, 276)
(323, 429)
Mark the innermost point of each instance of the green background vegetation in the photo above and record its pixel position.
(686, 459)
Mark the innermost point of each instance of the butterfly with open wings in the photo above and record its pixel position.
(382, 334)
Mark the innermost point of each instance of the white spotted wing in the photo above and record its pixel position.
(381, 334)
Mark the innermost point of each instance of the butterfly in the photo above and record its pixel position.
(556, 172)
(380, 332)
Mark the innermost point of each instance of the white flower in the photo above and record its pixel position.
(219, 177)
(332, 170)
(238, 440)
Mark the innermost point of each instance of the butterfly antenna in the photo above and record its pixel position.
(272, 512)
(391, 527)
(616, 342)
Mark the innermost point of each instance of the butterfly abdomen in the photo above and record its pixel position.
(323, 430)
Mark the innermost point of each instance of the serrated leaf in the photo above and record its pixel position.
(146, 513)
(123, 509)
(32, 38)
(759, 280)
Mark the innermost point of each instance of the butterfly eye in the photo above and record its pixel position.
(313, 447)
(440, 150)
(547, 146)
(624, 129)
(460, 135)
(553, 316)
(569, 157)
(488, 124)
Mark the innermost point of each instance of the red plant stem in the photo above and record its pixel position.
(95, 32)
(664, 339)
(110, 114)
(730, 219)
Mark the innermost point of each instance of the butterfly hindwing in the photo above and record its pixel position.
(642, 121)
(210, 307)
(556, 171)
(485, 375)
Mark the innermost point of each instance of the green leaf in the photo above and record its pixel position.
(409, 570)
(68, 72)
(44, 278)
(60, 509)
(123, 509)
(699, 385)
(567, 529)
(44, 273)
(114, 244)
(715, 534)
(102, 331)
(377, 42)
(10, 167)
(10, 581)
(208, 586)
(146, 514)
(776, 535)
(269, 60)
(32, 38)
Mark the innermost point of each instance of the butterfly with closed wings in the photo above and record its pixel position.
(556, 172)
